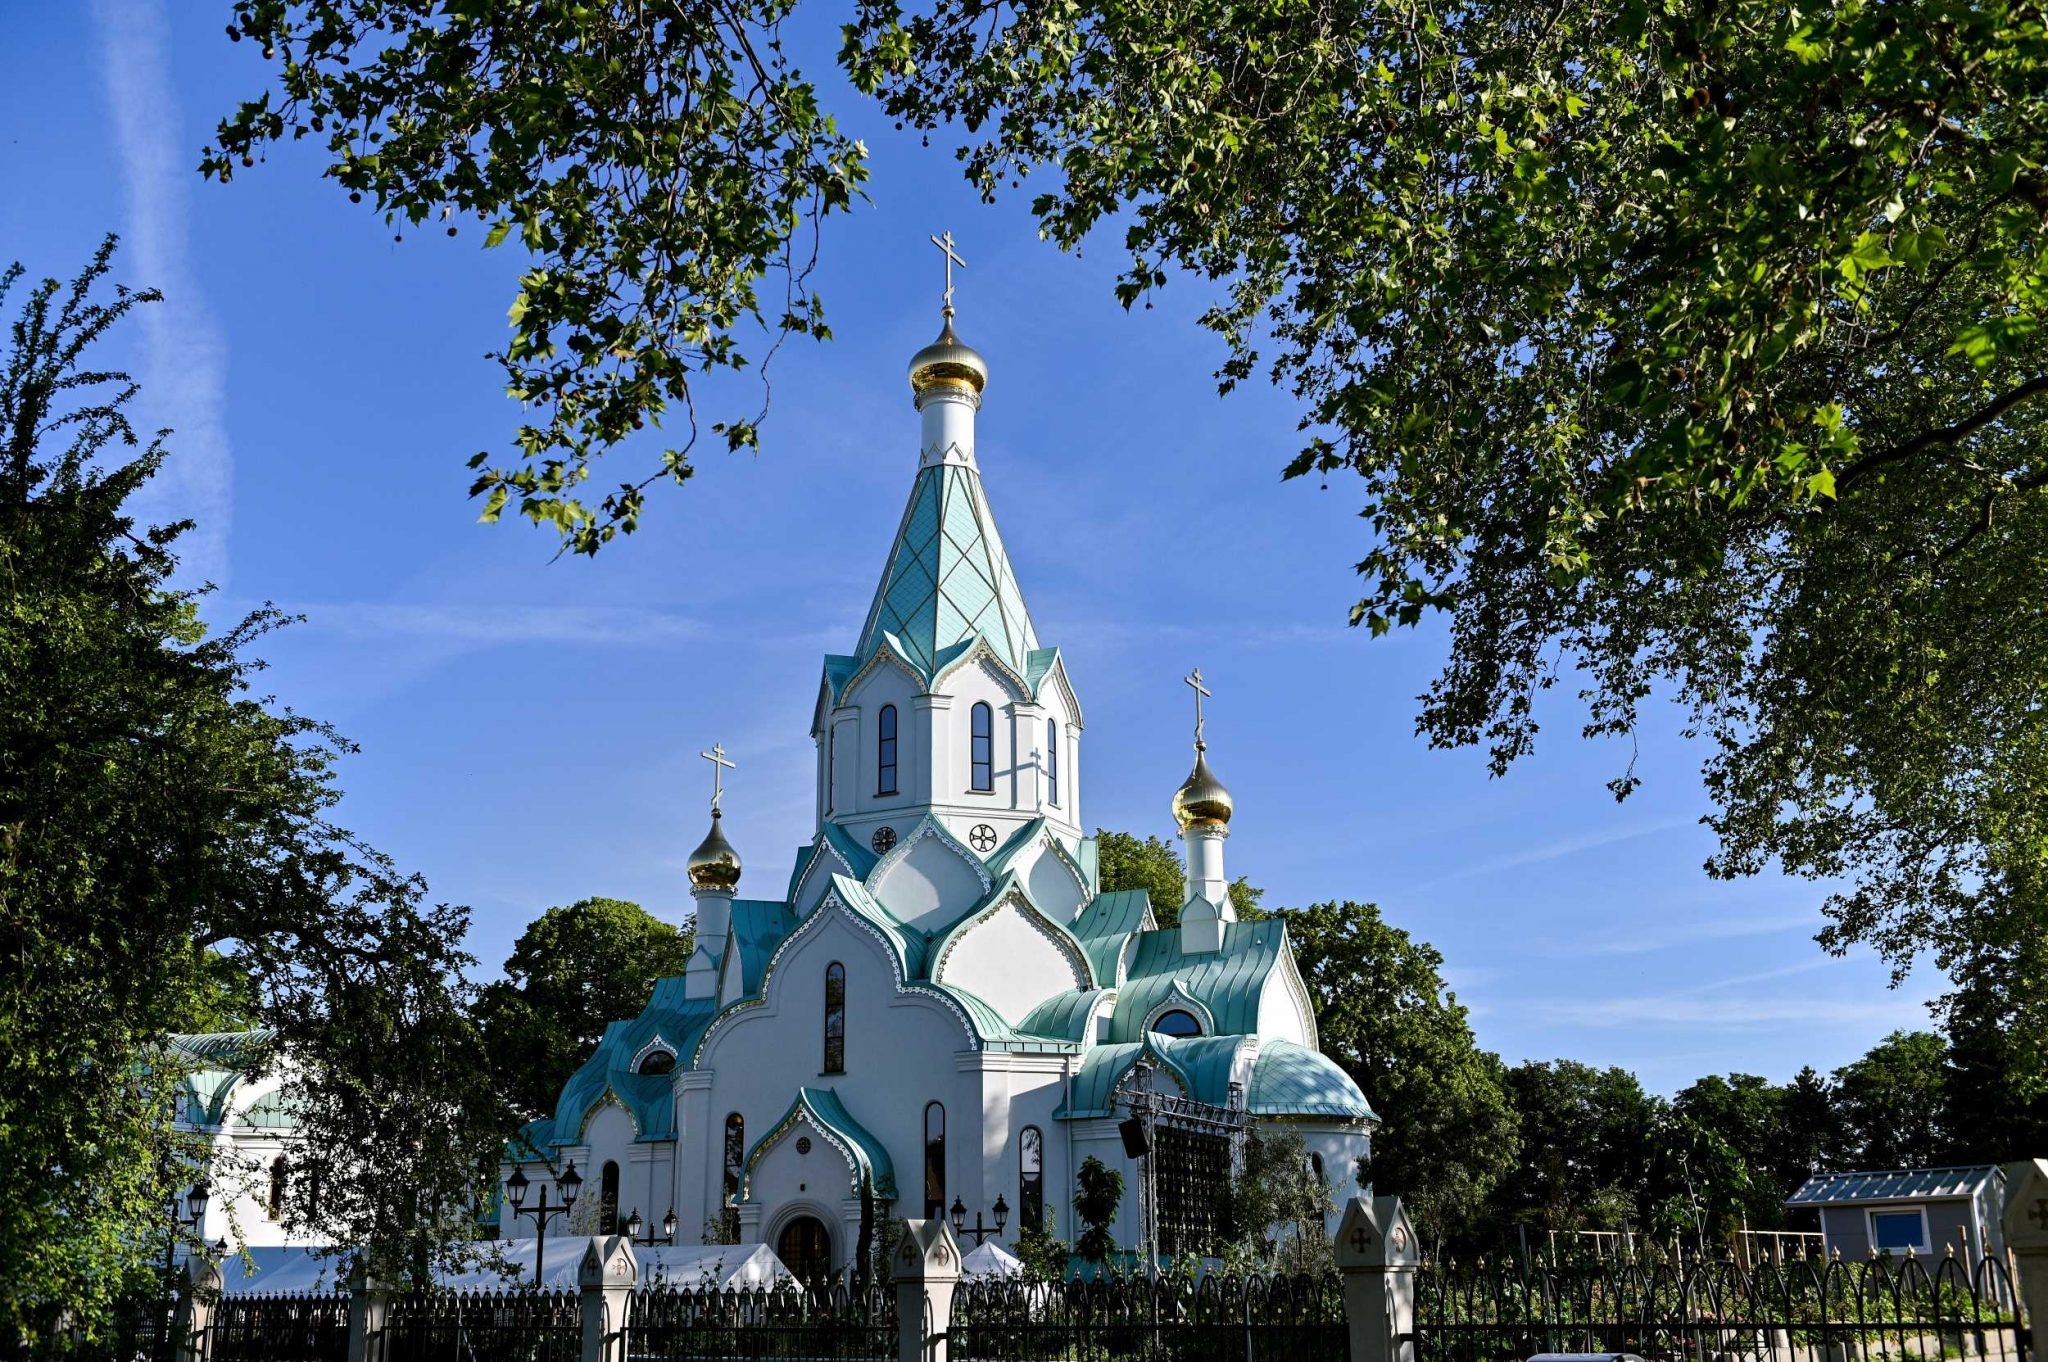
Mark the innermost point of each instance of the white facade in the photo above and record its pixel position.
(237, 1102)
(943, 1006)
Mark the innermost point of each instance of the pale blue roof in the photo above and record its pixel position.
(948, 579)
(1227, 982)
(1895, 1184)
(1293, 1080)
(825, 1111)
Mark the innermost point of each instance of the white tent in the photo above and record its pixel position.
(509, 1262)
(991, 1260)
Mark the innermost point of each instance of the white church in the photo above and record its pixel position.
(938, 1005)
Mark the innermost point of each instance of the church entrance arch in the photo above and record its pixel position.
(805, 1248)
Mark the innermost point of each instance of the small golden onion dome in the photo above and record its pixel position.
(1201, 801)
(714, 864)
(947, 362)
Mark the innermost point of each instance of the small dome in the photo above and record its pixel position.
(714, 864)
(947, 362)
(1201, 801)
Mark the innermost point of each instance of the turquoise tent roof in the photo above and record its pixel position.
(825, 1111)
(1293, 1080)
(1227, 982)
(1106, 923)
(948, 578)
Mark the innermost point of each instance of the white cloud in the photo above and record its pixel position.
(487, 625)
(1555, 851)
(183, 372)
(1683, 932)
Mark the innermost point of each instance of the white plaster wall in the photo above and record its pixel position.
(886, 684)
(1280, 1011)
(1055, 886)
(1341, 1147)
(1011, 962)
(930, 885)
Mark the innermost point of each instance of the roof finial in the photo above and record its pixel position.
(719, 766)
(945, 245)
(1194, 679)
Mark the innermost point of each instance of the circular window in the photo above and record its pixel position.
(884, 838)
(1178, 1022)
(803, 1144)
(982, 838)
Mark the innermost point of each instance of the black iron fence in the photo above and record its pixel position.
(287, 1327)
(1147, 1319)
(747, 1322)
(485, 1326)
(1799, 1310)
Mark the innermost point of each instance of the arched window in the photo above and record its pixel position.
(274, 1203)
(608, 1199)
(983, 753)
(1030, 1179)
(735, 1158)
(835, 1018)
(658, 1062)
(1315, 1164)
(885, 752)
(1052, 761)
(831, 766)
(1178, 1022)
(934, 1161)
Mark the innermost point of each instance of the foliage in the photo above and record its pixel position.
(657, 166)
(1384, 1014)
(1696, 350)
(1584, 1161)
(1699, 1181)
(167, 859)
(1098, 1192)
(573, 970)
(1041, 1250)
(1890, 1103)
(1126, 862)
(1279, 1206)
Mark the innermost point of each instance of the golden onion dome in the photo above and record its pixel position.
(1201, 801)
(714, 864)
(948, 362)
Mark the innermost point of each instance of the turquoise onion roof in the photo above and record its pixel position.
(824, 1110)
(534, 1140)
(1107, 923)
(948, 578)
(1065, 1016)
(1293, 1080)
(1228, 983)
(993, 1032)
(215, 1063)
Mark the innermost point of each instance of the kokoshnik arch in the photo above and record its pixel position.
(941, 1005)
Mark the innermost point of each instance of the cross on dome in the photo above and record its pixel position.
(1194, 679)
(945, 245)
(719, 766)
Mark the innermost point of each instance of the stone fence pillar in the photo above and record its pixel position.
(925, 1267)
(369, 1311)
(1377, 1254)
(2026, 1238)
(608, 1275)
(196, 1304)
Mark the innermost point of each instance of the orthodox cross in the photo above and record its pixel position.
(719, 766)
(1194, 679)
(945, 245)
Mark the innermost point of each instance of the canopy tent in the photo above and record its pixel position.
(991, 1260)
(509, 1262)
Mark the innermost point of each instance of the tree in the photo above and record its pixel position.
(1125, 862)
(1585, 1160)
(572, 970)
(1098, 1192)
(1890, 1103)
(1280, 1190)
(166, 860)
(1383, 1013)
(1754, 1116)
(1810, 1132)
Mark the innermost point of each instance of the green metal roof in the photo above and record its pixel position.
(758, 927)
(948, 578)
(671, 1018)
(1106, 923)
(1894, 1184)
(1293, 1080)
(1006, 885)
(215, 1063)
(993, 1032)
(822, 1107)
(1227, 982)
(837, 839)
(1065, 1015)
(1200, 1065)
(910, 948)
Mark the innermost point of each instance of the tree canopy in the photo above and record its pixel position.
(1126, 861)
(572, 970)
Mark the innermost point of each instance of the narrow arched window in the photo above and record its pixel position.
(983, 747)
(835, 1018)
(1030, 1179)
(1315, 1165)
(831, 767)
(885, 751)
(1052, 761)
(735, 1156)
(608, 1199)
(279, 1176)
(934, 1161)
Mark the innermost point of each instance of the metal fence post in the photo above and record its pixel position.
(1377, 1254)
(2026, 1235)
(925, 1268)
(369, 1310)
(195, 1307)
(608, 1275)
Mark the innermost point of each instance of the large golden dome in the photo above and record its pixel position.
(714, 864)
(948, 362)
(1201, 801)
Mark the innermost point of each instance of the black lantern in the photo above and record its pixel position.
(571, 1183)
(196, 1199)
(668, 1225)
(959, 1214)
(978, 1231)
(633, 1223)
(515, 1187)
(1002, 1209)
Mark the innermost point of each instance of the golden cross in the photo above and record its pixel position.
(719, 766)
(1194, 679)
(945, 245)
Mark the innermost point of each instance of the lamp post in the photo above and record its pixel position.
(182, 1219)
(958, 1214)
(668, 1229)
(569, 1181)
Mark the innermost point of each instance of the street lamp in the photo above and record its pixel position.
(569, 1182)
(958, 1212)
(186, 1218)
(668, 1229)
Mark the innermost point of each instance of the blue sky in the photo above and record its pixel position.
(529, 727)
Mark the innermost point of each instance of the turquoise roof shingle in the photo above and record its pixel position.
(1200, 1065)
(948, 578)
(1293, 1080)
(1107, 923)
(758, 927)
(824, 1110)
(677, 1022)
(1228, 982)
(1065, 1016)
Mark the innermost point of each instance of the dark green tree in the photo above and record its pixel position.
(1811, 1130)
(168, 860)
(572, 970)
(1124, 861)
(1098, 1192)
(1891, 1103)
(1383, 1013)
(1585, 1152)
(1751, 1115)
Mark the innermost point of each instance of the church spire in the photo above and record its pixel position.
(714, 875)
(1201, 810)
(946, 379)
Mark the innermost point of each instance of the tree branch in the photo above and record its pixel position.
(1945, 435)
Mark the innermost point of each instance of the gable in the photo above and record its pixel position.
(1012, 957)
(928, 880)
